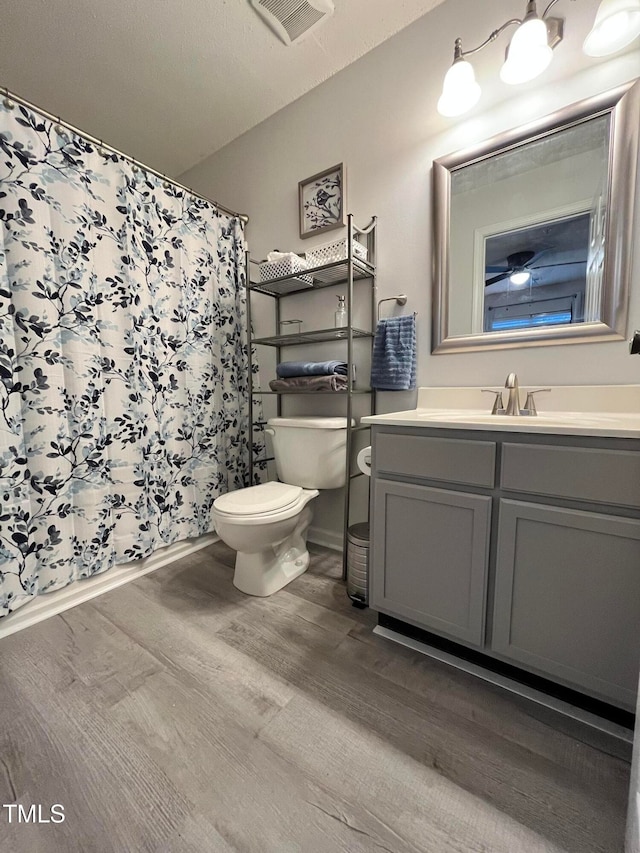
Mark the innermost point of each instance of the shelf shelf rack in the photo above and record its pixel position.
(343, 272)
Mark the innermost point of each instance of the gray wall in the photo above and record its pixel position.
(379, 117)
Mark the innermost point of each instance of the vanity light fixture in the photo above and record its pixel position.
(530, 51)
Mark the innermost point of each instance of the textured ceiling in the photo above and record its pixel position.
(172, 81)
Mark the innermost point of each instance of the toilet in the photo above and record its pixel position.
(267, 524)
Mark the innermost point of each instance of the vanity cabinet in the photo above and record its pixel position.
(523, 547)
(567, 596)
(432, 549)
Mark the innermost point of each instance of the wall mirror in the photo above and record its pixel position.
(533, 230)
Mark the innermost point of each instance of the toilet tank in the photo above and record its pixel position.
(310, 452)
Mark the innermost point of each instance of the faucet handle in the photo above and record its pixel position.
(530, 405)
(497, 403)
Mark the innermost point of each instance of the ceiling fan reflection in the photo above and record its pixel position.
(520, 266)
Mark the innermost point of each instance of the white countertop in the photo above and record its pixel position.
(603, 410)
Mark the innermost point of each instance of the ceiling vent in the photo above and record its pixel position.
(293, 20)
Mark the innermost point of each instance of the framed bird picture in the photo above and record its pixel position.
(322, 201)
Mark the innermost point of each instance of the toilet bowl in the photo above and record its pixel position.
(267, 524)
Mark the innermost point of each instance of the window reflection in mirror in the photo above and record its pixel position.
(527, 230)
(537, 276)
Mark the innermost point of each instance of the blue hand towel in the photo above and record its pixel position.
(393, 364)
(287, 369)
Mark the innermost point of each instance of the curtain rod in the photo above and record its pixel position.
(11, 96)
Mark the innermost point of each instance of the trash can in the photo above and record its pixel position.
(358, 564)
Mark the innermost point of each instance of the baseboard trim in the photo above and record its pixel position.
(326, 538)
(52, 603)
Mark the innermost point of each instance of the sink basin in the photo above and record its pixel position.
(454, 415)
(597, 410)
(462, 416)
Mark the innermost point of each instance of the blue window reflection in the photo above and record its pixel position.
(556, 318)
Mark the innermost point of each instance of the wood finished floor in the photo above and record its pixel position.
(176, 715)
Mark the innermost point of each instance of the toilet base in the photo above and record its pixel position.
(265, 573)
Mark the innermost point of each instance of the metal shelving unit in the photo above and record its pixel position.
(313, 337)
(343, 272)
(327, 275)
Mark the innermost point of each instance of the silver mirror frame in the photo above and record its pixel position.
(623, 105)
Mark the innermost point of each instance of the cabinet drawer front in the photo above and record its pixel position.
(578, 473)
(471, 463)
(430, 555)
(567, 597)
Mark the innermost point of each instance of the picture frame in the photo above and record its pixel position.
(321, 200)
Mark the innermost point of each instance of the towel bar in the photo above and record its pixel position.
(399, 300)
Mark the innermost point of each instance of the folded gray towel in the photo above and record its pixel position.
(393, 363)
(307, 384)
(287, 369)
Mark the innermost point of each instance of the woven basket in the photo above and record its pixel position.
(285, 266)
(327, 253)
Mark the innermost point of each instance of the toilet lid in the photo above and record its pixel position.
(254, 500)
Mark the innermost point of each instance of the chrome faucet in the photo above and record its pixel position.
(513, 403)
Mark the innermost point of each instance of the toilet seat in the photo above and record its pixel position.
(266, 502)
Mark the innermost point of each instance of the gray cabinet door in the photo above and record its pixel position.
(567, 597)
(429, 558)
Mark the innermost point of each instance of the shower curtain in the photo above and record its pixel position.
(123, 392)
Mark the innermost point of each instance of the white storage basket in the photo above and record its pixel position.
(285, 266)
(327, 253)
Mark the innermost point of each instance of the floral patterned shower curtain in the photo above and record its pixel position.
(123, 394)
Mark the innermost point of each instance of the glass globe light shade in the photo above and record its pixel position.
(528, 54)
(460, 91)
(616, 25)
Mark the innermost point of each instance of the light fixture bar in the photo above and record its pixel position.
(492, 37)
(616, 25)
(555, 31)
(530, 56)
(548, 9)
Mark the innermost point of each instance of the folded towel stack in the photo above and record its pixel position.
(301, 376)
(300, 384)
(393, 363)
(311, 368)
